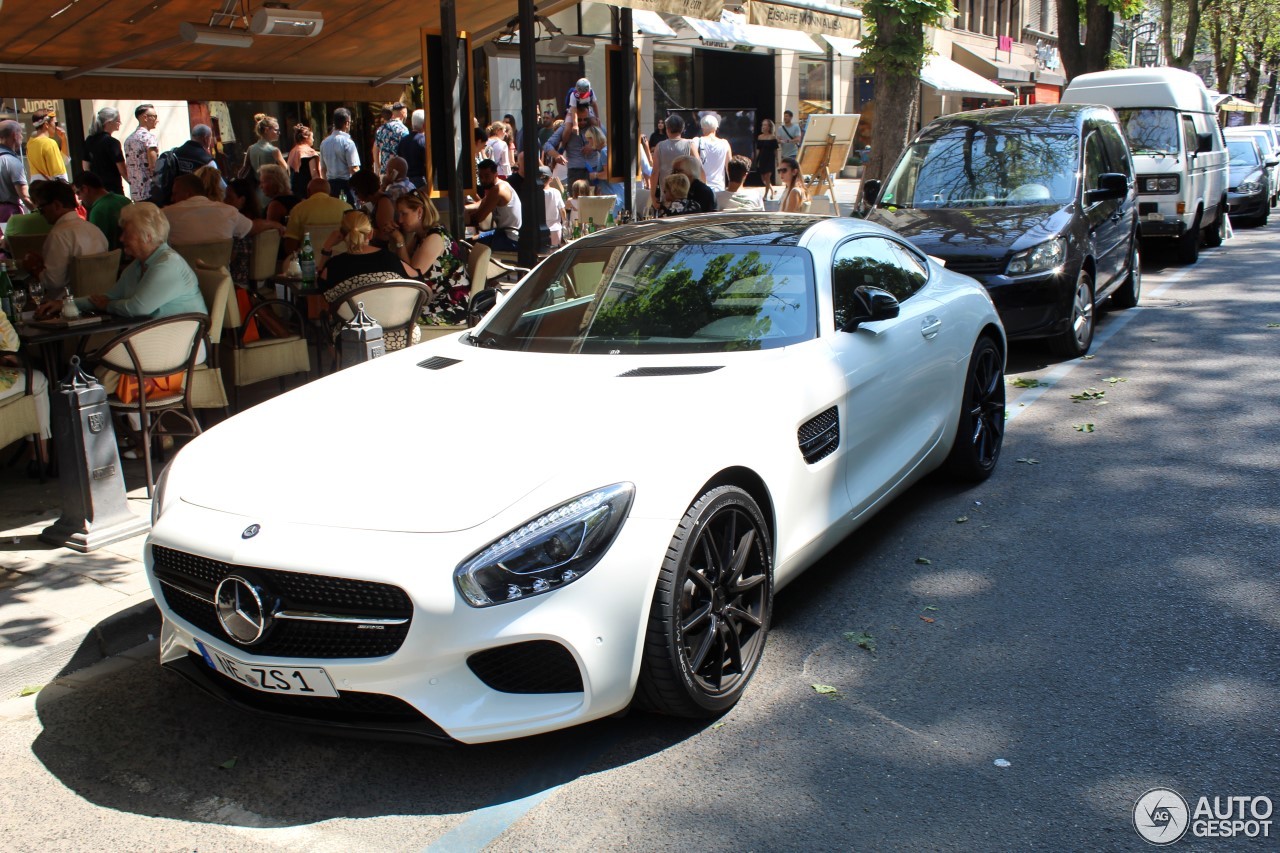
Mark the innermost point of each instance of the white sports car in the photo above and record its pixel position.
(586, 502)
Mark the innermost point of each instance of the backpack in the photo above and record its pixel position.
(167, 169)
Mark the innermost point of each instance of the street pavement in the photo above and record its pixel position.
(1098, 619)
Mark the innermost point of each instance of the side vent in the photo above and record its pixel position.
(671, 371)
(439, 362)
(819, 436)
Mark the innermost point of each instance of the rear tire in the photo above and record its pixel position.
(1189, 243)
(1076, 339)
(1127, 295)
(980, 432)
(710, 614)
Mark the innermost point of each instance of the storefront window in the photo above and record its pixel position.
(672, 82)
(815, 89)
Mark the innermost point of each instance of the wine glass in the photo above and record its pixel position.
(19, 302)
(35, 292)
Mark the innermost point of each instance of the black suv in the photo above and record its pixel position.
(1036, 202)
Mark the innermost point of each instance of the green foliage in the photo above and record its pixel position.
(894, 32)
(1117, 59)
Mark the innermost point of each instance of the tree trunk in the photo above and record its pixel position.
(1272, 81)
(1079, 58)
(1253, 73)
(1183, 58)
(898, 93)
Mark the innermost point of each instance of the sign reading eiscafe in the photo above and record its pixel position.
(806, 20)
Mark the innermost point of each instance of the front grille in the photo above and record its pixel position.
(439, 362)
(671, 371)
(188, 582)
(819, 436)
(538, 666)
(976, 266)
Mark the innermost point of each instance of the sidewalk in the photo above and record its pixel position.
(61, 610)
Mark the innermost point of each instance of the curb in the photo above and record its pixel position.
(119, 632)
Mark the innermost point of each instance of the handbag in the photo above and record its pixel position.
(247, 172)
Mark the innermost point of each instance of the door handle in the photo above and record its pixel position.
(930, 326)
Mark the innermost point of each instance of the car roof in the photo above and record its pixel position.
(1058, 116)
(777, 229)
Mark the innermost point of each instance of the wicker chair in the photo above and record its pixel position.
(216, 253)
(156, 349)
(94, 274)
(265, 260)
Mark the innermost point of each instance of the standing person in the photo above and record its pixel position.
(339, 155)
(793, 200)
(103, 153)
(501, 201)
(714, 152)
(265, 151)
(44, 150)
(596, 155)
(103, 207)
(497, 149)
(141, 149)
(413, 148)
(513, 135)
(666, 154)
(13, 177)
(553, 202)
(789, 135)
(566, 144)
(658, 135)
(767, 155)
(304, 161)
(386, 140)
(196, 152)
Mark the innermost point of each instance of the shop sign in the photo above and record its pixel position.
(805, 20)
(31, 105)
(708, 10)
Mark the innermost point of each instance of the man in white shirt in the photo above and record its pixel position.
(733, 197)
(713, 151)
(340, 158)
(194, 218)
(70, 237)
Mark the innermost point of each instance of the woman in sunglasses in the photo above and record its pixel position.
(436, 258)
(793, 200)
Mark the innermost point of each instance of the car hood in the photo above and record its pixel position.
(1240, 174)
(974, 232)
(393, 445)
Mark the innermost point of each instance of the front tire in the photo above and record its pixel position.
(1076, 339)
(1189, 243)
(1127, 295)
(1217, 232)
(980, 433)
(710, 613)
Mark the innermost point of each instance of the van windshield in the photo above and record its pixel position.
(975, 165)
(1150, 131)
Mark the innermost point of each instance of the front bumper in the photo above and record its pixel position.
(428, 687)
(1158, 216)
(1031, 306)
(1248, 206)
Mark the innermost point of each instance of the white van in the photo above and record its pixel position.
(1168, 117)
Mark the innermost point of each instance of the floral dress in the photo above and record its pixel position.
(449, 282)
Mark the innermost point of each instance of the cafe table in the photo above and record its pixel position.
(46, 336)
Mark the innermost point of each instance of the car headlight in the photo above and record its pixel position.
(1251, 186)
(548, 552)
(1161, 184)
(1040, 258)
(157, 494)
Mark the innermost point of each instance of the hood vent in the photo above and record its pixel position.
(671, 371)
(439, 362)
(819, 436)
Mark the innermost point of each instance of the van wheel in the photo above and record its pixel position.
(1076, 339)
(1218, 231)
(1189, 243)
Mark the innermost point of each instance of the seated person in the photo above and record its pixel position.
(317, 209)
(103, 206)
(274, 181)
(499, 200)
(394, 180)
(675, 196)
(70, 237)
(691, 167)
(13, 382)
(361, 265)
(732, 197)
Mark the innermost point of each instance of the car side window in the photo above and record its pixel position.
(1095, 161)
(1117, 151)
(877, 262)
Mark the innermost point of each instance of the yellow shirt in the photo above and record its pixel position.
(319, 209)
(45, 157)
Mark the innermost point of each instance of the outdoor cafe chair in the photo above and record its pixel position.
(21, 245)
(156, 349)
(593, 208)
(395, 304)
(215, 253)
(269, 356)
(94, 274)
(264, 261)
(18, 417)
(207, 388)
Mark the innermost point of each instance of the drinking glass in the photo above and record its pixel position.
(19, 302)
(35, 291)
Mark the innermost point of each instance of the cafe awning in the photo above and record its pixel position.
(650, 23)
(732, 29)
(1009, 70)
(844, 47)
(951, 78)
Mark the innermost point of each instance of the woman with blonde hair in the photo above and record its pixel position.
(274, 181)
(435, 256)
(304, 161)
(792, 181)
(675, 196)
(263, 152)
(211, 182)
(361, 265)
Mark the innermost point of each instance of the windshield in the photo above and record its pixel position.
(1243, 152)
(669, 298)
(974, 165)
(1150, 131)
(1261, 138)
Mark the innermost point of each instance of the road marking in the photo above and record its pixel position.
(1114, 325)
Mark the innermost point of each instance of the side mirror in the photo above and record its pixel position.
(1110, 185)
(1204, 142)
(870, 191)
(870, 304)
(1271, 163)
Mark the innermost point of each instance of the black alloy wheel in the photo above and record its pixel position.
(710, 613)
(980, 433)
(1075, 340)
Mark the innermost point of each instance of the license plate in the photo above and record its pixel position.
(1155, 217)
(293, 680)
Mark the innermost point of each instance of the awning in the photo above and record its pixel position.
(844, 47)
(733, 29)
(1049, 78)
(1011, 71)
(1239, 105)
(650, 23)
(814, 17)
(951, 78)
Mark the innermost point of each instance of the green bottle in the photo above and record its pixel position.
(6, 297)
(610, 221)
(307, 262)
(591, 225)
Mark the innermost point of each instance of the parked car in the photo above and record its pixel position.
(1036, 202)
(587, 501)
(1270, 156)
(1247, 193)
(1167, 116)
